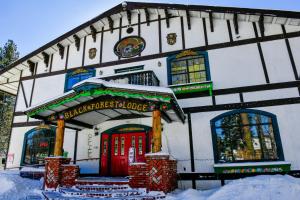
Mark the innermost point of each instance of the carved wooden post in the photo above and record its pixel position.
(156, 128)
(59, 140)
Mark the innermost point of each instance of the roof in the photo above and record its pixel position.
(94, 91)
(83, 29)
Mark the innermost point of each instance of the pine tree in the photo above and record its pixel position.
(8, 54)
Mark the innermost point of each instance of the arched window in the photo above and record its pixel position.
(76, 76)
(188, 67)
(38, 144)
(246, 135)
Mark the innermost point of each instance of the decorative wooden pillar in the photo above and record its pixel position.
(59, 139)
(156, 128)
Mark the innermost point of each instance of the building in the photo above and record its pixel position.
(234, 73)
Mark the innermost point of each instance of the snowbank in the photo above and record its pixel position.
(12, 186)
(262, 187)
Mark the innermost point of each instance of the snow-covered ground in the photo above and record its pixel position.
(278, 187)
(262, 187)
(14, 187)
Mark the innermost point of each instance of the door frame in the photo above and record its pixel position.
(123, 129)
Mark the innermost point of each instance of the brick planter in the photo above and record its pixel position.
(159, 173)
(69, 174)
(58, 172)
(162, 172)
(138, 173)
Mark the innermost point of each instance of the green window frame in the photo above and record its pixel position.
(188, 69)
(246, 135)
(38, 144)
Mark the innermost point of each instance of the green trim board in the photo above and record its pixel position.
(248, 169)
(98, 92)
(193, 87)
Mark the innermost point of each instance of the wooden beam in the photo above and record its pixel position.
(77, 42)
(111, 24)
(156, 129)
(46, 58)
(93, 32)
(235, 23)
(211, 21)
(261, 25)
(61, 50)
(79, 123)
(167, 18)
(188, 18)
(31, 66)
(147, 16)
(128, 16)
(59, 139)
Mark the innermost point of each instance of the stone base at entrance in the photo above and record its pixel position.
(58, 172)
(159, 173)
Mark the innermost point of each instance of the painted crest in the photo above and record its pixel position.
(171, 38)
(92, 53)
(129, 46)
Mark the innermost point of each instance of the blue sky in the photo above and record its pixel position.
(33, 23)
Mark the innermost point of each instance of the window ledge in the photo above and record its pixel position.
(253, 167)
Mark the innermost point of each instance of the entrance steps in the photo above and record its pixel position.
(102, 188)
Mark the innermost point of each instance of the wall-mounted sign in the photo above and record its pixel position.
(253, 169)
(171, 38)
(108, 103)
(129, 46)
(193, 87)
(92, 53)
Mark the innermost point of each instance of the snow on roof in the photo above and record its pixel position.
(99, 81)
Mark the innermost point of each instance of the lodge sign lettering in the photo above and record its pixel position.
(106, 104)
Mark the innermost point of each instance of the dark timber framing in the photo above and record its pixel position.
(51, 62)
(12, 121)
(144, 6)
(67, 57)
(101, 46)
(120, 32)
(182, 32)
(229, 31)
(211, 22)
(24, 95)
(159, 34)
(235, 23)
(161, 55)
(205, 31)
(83, 51)
(288, 46)
(191, 146)
(75, 147)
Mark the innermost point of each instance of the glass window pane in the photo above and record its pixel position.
(116, 148)
(245, 137)
(122, 146)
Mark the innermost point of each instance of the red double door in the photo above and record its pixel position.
(115, 152)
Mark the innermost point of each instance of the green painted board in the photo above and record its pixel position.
(253, 169)
(197, 87)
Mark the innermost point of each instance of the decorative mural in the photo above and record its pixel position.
(92, 53)
(130, 46)
(171, 38)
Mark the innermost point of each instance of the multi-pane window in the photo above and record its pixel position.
(246, 136)
(39, 143)
(191, 69)
(140, 145)
(122, 146)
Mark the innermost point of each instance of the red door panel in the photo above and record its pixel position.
(120, 145)
(104, 154)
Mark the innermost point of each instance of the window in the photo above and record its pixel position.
(246, 135)
(76, 76)
(38, 144)
(116, 146)
(129, 69)
(191, 67)
(122, 146)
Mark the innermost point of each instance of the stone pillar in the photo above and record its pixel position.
(156, 129)
(162, 172)
(53, 172)
(69, 174)
(138, 173)
(59, 139)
